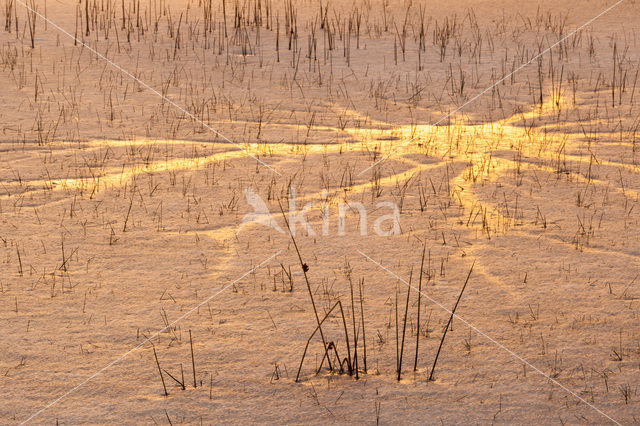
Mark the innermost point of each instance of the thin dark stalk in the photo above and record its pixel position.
(453, 312)
(193, 361)
(176, 380)
(311, 337)
(346, 336)
(415, 362)
(160, 371)
(182, 375)
(126, 219)
(397, 335)
(355, 335)
(404, 326)
(340, 360)
(19, 260)
(364, 338)
(305, 267)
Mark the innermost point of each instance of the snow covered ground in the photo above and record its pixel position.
(144, 169)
